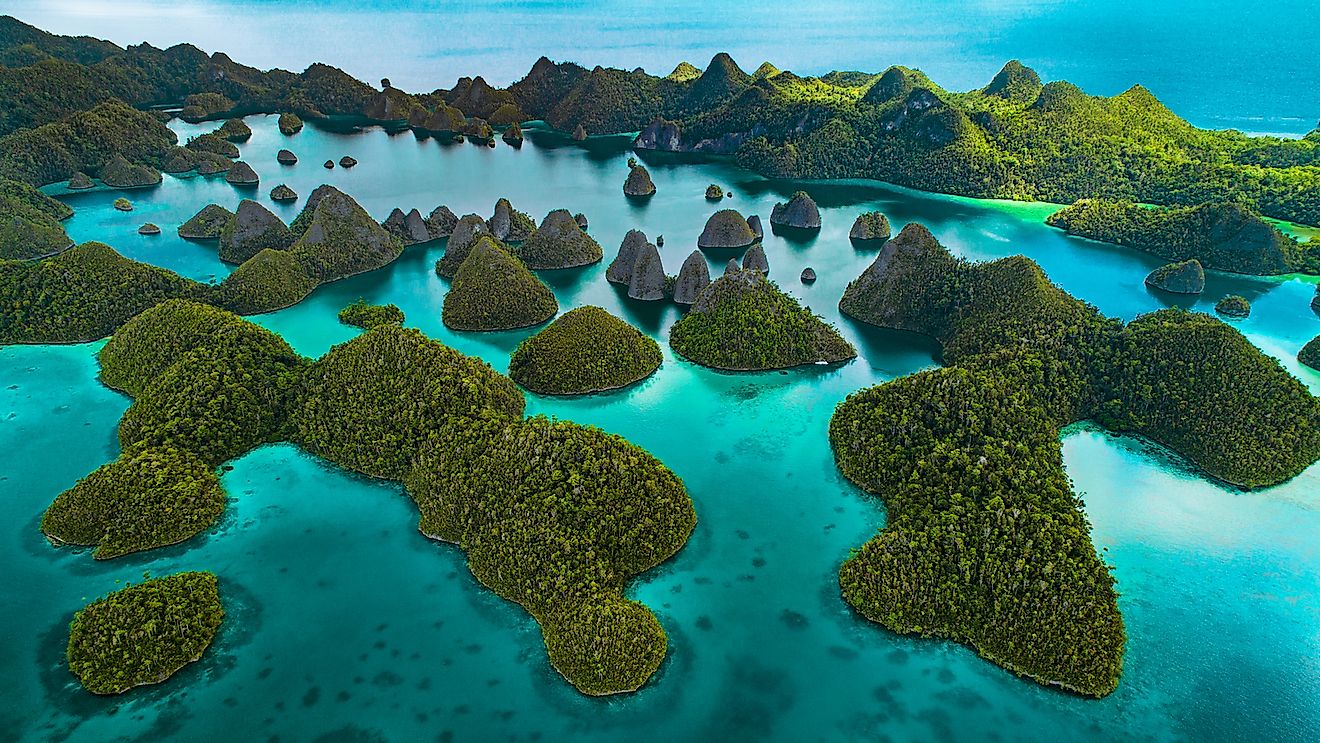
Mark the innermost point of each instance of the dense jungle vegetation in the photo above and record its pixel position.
(143, 634)
(743, 322)
(1222, 236)
(584, 350)
(972, 450)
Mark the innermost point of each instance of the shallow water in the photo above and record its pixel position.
(347, 623)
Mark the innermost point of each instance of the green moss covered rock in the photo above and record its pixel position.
(242, 174)
(870, 226)
(337, 238)
(726, 229)
(30, 223)
(268, 281)
(201, 106)
(799, 212)
(1221, 236)
(87, 141)
(1027, 360)
(214, 144)
(1233, 306)
(1197, 386)
(513, 135)
(559, 243)
(1185, 277)
(120, 173)
(743, 322)
(143, 634)
(1310, 353)
(367, 316)
(493, 290)
(235, 130)
(283, 193)
(80, 295)
(584, 350)
(290, 124)
(145, 347)
(638, 182)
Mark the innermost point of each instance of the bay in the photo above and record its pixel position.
(347, 623)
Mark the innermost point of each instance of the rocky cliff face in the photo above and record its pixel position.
(800, 212)
(754, 260)
(906, 265)
(693, 277)
(410, 228)
(252, 229)
(621, 268)
(648, 275)
(509, 224)
(440, 222)
(726, 229)
(667, 136)
(466, 233)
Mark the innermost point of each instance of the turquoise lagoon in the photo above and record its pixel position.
(346, 624)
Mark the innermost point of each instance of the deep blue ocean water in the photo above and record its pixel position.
(1219, 63)
(346, 624)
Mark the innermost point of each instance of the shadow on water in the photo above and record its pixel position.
(893, 353)
(561, 279)
(649, 317)
(1171, 299)
(797, 237)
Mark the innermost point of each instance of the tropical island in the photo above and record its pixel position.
(85, 292)
(1015, 138)
(1221, 236)
(209, 386)
(743, 322)
(144, 634)
(583, 351)
(367, 316)
(973, 449)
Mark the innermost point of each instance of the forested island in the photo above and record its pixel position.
(743, 322)
(144, 634)
(1221, 236)
(985, 542)
(583, 351)
(1016, 138)
(208, 386)
(85, 292)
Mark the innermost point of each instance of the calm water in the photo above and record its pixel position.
(1249, 72)
(347, 623)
